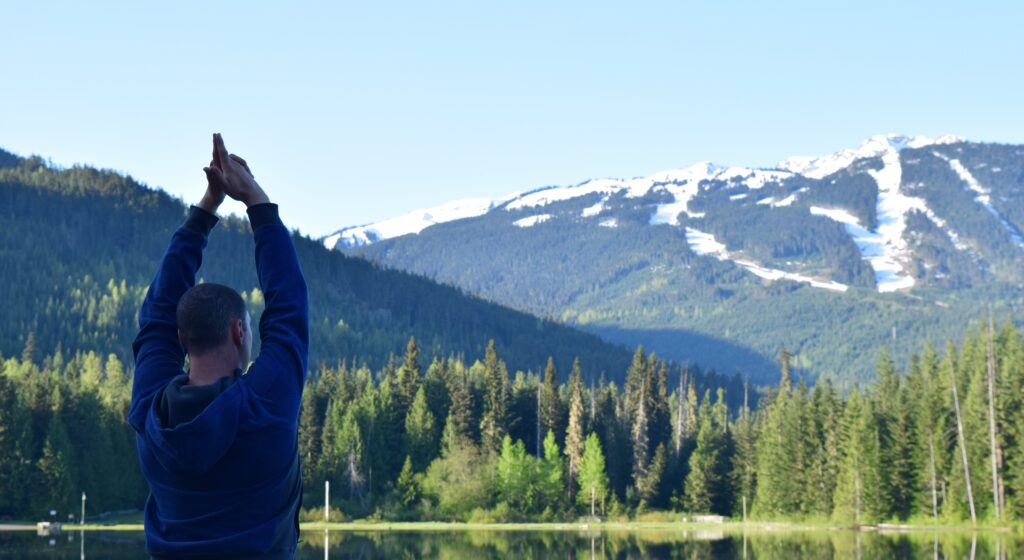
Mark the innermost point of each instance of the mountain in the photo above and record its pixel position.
(79, 247)
(901, 240)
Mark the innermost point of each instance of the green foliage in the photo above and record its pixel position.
(592, 478)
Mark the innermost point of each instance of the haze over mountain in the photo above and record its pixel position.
(901, 240)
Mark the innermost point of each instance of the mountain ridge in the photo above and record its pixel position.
(931, 221)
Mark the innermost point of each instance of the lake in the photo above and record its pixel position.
(527, 545)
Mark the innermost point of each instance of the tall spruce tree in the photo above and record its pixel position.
(420, 432)
(493, 424)
(858, 489)
(574, 432)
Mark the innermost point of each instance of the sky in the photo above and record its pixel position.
(349, 113)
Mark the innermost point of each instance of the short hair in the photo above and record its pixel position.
(205, 313)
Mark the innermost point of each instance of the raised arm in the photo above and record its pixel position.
(158, 353)
(278, 374)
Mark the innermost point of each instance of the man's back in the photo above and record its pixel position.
(221, 458)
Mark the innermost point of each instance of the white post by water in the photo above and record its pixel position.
(327, 501)
(82, 520)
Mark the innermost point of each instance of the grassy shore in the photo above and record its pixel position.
(729, 526)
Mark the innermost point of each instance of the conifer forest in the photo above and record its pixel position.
(446, 438)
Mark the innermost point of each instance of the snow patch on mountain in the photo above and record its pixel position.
(543, 197)
(703, 243)
(684, 184)
(531, 221)
(886, 248)
(609, 223)
(983, 197)
(820, 167)
(595, 209)
(412, 222)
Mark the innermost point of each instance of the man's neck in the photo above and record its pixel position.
(210, 368)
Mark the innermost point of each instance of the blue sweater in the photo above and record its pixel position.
(226, 481)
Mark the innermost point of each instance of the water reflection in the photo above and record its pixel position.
(576, 545)
(616, 544)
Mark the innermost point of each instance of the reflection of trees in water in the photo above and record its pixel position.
(658, 544)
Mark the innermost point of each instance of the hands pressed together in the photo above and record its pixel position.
(229, 174)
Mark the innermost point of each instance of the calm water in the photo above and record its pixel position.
(573, 545)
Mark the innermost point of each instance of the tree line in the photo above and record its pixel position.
(468, 441)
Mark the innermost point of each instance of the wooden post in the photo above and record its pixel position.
(327, 501)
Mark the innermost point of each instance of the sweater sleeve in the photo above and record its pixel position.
(278, 374)
(158, 354)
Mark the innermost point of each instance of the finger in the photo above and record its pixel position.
(242, 161)
(214, 177)
(220, 151)
(215, 162)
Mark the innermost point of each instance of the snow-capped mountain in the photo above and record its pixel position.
(884, 247)
(933, 221)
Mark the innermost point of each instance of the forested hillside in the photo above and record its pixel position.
(453, 440)
(79, 247)
(898, 242)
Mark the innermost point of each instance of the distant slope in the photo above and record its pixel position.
(79, 246)
(901, 240)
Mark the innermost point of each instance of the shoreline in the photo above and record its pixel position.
(434, 526)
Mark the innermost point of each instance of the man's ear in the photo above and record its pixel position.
(181, 340)
(237, 332)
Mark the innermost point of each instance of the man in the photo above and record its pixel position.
(219, 448)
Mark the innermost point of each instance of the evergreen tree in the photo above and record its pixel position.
(310, 425)
(420, 432)
(776, 487)
(550, 404)
(574, 433)
(858, 490)
(406, 486)
(408, 377)
(744, 462)
(493, 424)
(58, 484)
(704, 485)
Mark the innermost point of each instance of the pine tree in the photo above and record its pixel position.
(349, 450)
(420, 432)
(704, 481)
(649, 486)
(408, 377)
(58, 485)
(857, 495)
(309, 435)
(775, 483)
(12, 422)
(549, 402)
(593, 478)
(458, 424)
(639, 439)
(493, 424)
(28, 353)
(406, 487)
(744, 461)
(574, 433)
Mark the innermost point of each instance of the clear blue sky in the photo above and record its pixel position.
(350, 113)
